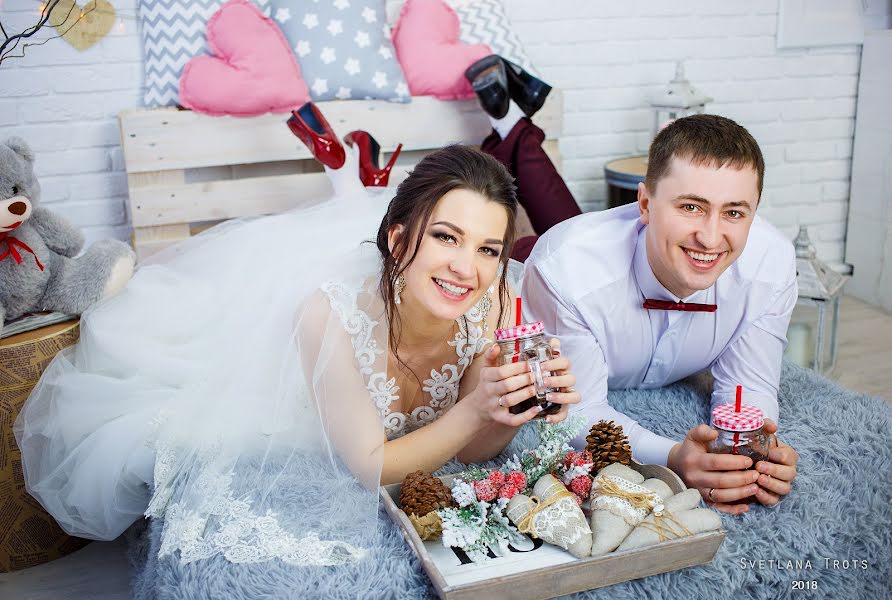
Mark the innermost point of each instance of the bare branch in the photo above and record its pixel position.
(12, 42)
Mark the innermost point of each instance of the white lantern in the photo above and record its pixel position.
(817, 309)
(678, 100)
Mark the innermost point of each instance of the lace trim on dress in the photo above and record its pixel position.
(241, 536)
(442, 386)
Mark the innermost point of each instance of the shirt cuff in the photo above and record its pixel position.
(652, 449)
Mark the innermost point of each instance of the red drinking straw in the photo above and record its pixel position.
(737, 409)
(518, 319)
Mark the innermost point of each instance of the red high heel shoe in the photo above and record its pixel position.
(308, 124)
(369, 151)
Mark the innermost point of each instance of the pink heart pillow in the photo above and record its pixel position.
(428, 48)
(253, 71)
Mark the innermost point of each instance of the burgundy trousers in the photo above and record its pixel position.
(540, 188)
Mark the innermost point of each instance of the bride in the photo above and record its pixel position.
(254, 385)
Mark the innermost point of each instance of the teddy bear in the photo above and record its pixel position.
(40, 269)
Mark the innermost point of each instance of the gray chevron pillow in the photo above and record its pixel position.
(173, 32)
(486, 22)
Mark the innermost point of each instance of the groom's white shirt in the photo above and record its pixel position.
(586, 280)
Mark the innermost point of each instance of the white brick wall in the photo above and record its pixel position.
(799, 104)
(606, 56)
(65, 103)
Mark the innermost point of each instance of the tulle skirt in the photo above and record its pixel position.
(186, 391)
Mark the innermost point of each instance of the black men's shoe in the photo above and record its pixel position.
(489, 81)
(526, 90)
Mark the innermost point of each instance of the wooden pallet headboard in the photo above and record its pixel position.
(185, 169)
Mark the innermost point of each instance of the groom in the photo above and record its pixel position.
(693, 237)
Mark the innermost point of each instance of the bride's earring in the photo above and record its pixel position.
(399, 284)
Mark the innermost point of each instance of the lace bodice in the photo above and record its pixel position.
(441, 387)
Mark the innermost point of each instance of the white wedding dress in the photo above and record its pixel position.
(238, 388)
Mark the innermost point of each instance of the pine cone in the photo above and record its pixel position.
(422, 492)
(608, 444)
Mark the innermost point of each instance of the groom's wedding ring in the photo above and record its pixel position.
(500, 401)
(709, 495)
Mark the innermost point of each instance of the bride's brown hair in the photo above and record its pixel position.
(451, 168)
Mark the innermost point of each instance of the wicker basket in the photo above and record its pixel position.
(28, 535)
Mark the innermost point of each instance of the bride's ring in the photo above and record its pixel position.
(500, 402)
(709, 495)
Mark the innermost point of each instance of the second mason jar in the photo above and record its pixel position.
(527, 343)
(740, 432)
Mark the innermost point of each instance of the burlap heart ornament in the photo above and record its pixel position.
(680, 517)
(621, 499)
(552, 515)
(83, 27)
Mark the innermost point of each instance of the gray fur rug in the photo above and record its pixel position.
(838, 519)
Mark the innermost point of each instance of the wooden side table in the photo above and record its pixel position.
(28, 534)
(623, 176)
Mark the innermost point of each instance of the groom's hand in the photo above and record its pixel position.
(778, 472)
(720, 478)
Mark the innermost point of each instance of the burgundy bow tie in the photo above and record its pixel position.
(686, 306)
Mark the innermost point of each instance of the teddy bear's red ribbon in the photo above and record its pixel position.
(11, 244)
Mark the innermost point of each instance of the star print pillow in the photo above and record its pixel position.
(344, 48)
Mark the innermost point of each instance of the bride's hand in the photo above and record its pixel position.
(501, 387)
(562, 379)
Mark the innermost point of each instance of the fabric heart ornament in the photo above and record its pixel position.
(83, 27)
(680, 517)
(553, 516)
(252, 70)
(621, 499)
(426, 40)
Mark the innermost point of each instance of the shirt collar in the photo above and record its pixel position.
(648, 283)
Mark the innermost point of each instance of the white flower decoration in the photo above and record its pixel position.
(362, 39)
(385, 52)
(344, 93)
(320, 86)
(352, 66)
(327, 55)
(341, 4)
(463, 493)
(283, 15)
(401, 89)
(380, 79)
(368, 14)
(335, 26)
(311, 20)
(302, 48)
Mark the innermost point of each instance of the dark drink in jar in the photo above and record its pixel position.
(740, 432)
(527, 343)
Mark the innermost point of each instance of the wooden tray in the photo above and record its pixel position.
(545, 571)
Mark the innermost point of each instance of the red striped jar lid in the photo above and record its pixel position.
(749, 418)
(519, 331)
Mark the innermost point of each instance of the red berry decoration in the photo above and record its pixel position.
(583, 458)
(497, 478)
(577, 459)
(485, 490)
(516, 479)
(508, 491)
(581, 486)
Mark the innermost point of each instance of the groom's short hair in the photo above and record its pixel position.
(704, 140)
